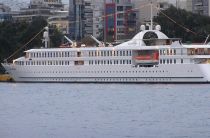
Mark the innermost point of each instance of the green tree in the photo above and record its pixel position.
(14, 35)
(88, 41)
(56, 37)
(198, 25)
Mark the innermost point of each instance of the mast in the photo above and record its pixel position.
(46, 37)
(151, 18)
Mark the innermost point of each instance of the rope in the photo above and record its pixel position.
(24, 45)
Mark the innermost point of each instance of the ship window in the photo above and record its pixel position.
(170, 61)
(182, 61)
(127, 53)
(164, 61)
(161, 61)
(167, 61)
(174, 61)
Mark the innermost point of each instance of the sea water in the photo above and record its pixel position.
(74, 110)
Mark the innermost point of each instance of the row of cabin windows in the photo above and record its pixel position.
(92, 62)
(117, 71)
(79, 54)
(109, 62)
(52, 54)
(168, 52)
(110, 53)
(48, 62)
(170, 61)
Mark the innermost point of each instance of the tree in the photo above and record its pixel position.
(55, 37)
(88, 41)
(189, 26)
(14, 35)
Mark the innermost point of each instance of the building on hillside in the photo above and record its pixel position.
(76, 17)
(184, 4)
(52, 4)
(144, 10)
(201, 7)
(88, 18)
(93, 21)
(5, 13)
(120, 20)
(38, 8)
(60, 20)
(98, 20)
(84, 18)
(189, 5)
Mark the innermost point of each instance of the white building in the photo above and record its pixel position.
(5, 13)
(4, 8)
(93, 21)
(38, 8)
(98, 12)
(55, 4)
(60, 20)
(201, 7)
(143, 6)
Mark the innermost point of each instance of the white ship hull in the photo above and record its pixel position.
(139, 60)
(173, 73)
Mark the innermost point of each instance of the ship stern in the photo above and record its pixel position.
(206, 71)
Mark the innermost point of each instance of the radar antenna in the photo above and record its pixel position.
(151, 18)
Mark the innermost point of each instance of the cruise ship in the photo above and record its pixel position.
(149, 57)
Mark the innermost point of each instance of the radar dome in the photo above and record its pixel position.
(142, 27)
(158, 27)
